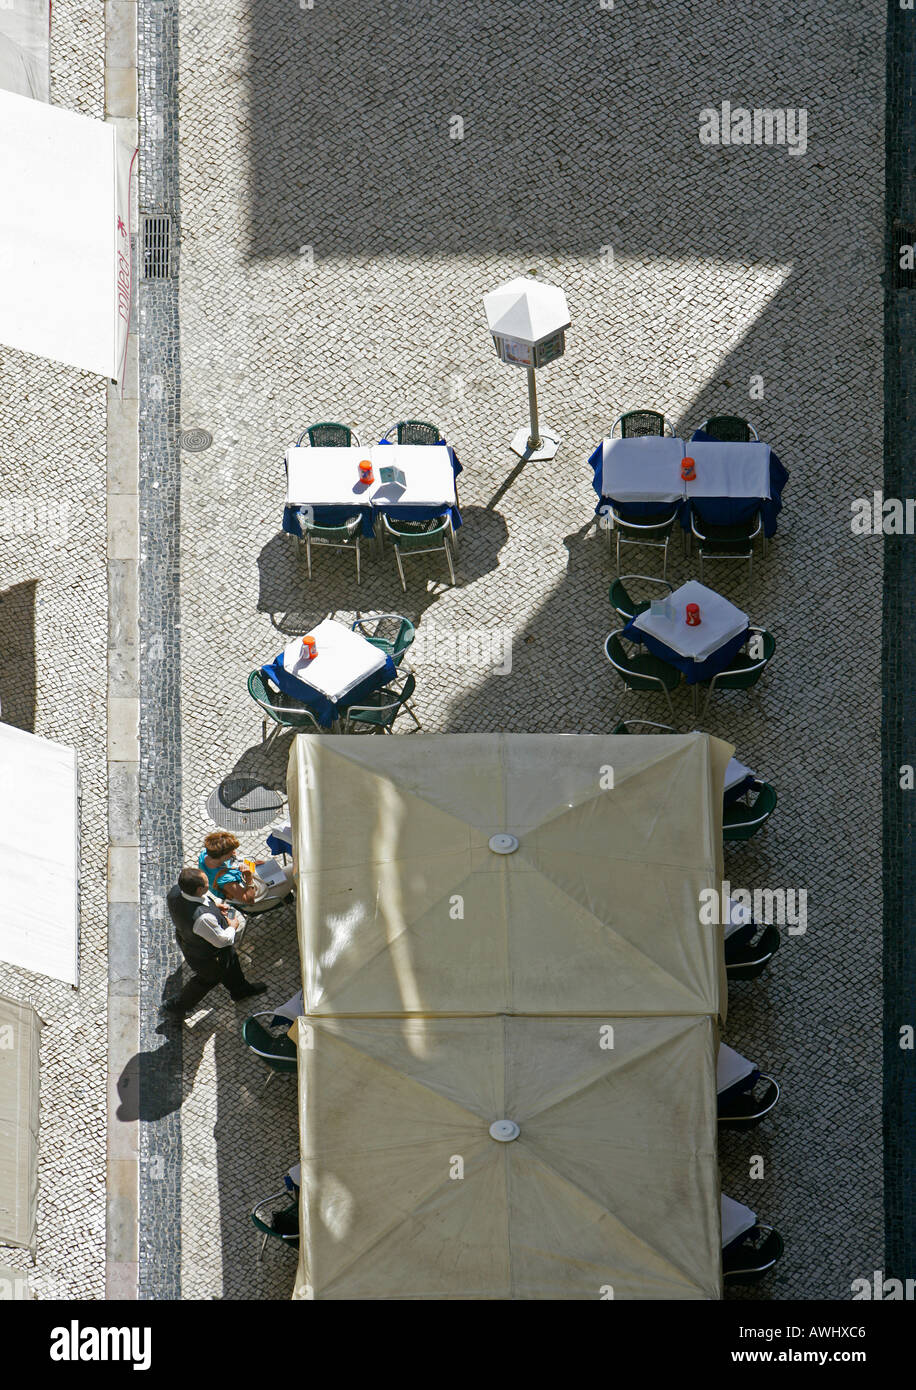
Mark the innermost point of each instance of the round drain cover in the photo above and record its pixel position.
(195, 441)
(503, 844)
(504, 1130)
(242, 803)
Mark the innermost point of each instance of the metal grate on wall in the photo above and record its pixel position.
(157, 247)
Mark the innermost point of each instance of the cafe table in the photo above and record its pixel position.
(698, 652)
(325, 484)
(733, 480)
(345, 669)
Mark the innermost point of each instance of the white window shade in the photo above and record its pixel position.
(64, 236)
(39, 861)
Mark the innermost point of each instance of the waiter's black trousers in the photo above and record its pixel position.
(228, 973)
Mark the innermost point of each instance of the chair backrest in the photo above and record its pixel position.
(614, 651)
(278, 1052)
(341, 533)
(328, 434)
(641, 422)
(415, 534)
(408, 688)
(417, 432)
(626, 725)
(729, 428)
(257, 688)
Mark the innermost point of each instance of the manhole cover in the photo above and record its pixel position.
(195, 441)
(242, 803)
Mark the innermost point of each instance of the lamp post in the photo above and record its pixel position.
(528, 322)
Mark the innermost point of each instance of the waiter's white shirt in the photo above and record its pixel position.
(209, 925)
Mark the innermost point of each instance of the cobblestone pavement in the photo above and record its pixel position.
(336, 244)
(53, 586)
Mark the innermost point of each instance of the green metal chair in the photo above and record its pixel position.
(621, 599)
(345, 537)
(745, 671)
(749, 950)
(746, 1110)
(653, 530)
(748, 1260)
(741, 819)
(726, 542)
(730, 429)
(415, 432)
(277, 1218)
(327, 434)
(284, 716)
(277, 1050)
(635, 423)
(419, 538)
(642, 672)
(390, 632)
(382, 709)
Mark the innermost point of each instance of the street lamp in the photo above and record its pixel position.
(528, 321)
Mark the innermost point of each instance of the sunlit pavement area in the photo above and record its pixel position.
(336, 243)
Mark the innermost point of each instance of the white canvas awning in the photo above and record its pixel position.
(405, 908)
(39, 858)
(64, 236)
(19, 1031)
(507, 1060)
(610, 1188)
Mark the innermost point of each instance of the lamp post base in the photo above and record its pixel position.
(547, 446)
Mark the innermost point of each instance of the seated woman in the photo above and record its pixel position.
(235, 881)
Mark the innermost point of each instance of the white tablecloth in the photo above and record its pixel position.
(735, 773)
(649, 470)
(731, 1067)
(642, 470)
(720, 621)
(344, 659)
(729, 470)
(330, 477)
(736, 1218)
(292, 1009)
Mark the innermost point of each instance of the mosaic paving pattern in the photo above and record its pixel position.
(314, 289)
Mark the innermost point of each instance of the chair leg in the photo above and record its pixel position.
(665, 560)
(448, 556)
(358, 578)
(409, 709)
(308, 553)
(397, 556)
(750, 570)
(260, 1259)
(617, 529)
(700, 552)
(668, 698)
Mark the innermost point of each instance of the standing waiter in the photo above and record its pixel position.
(206, 933)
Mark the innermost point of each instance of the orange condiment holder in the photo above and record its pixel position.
(688, 469)
(366, 474)
(309, 648)
(693, 615)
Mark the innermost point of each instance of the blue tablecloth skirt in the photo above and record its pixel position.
(337, 516)
(734, 793)
(716, 511)
(276, 845)
(325, 710)
(693, 671)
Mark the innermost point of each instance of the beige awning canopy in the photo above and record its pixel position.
(19, 1031)
(610, 1188)
(404, 907)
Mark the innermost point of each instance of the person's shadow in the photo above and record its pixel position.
(155, 1084)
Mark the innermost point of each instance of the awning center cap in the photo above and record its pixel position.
(503, 844)
(504, 1130)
